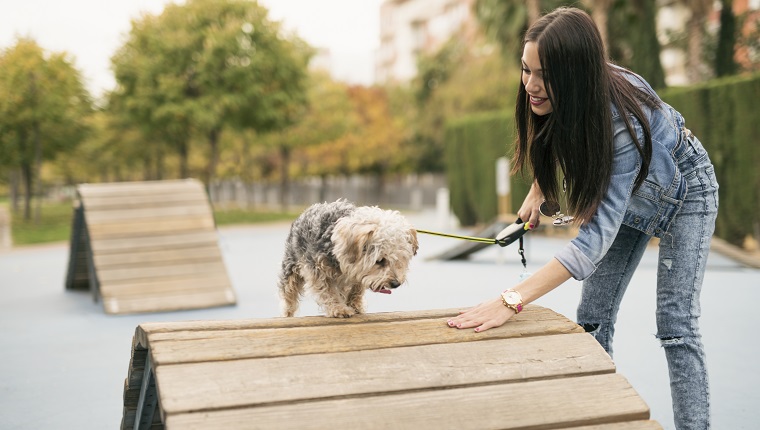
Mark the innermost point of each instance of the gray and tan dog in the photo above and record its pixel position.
(337, 250)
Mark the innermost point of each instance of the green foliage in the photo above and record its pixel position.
(505, 21)
(54, 225)
(231, 216)
(473, 144)
(723, 114)
(461, 80)
(725, 65)
(205, 66)
(637, 50)
(43, 109)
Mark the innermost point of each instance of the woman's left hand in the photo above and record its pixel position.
(489, 314)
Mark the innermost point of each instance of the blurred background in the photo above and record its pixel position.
(277, 104)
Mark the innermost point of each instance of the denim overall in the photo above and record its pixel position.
(677, 203)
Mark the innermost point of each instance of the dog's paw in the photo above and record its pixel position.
(340, 312)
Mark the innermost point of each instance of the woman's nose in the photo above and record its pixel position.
(532, 85)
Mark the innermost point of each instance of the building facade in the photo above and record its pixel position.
(410, 28)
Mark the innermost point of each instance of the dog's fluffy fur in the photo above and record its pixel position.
(337, 250)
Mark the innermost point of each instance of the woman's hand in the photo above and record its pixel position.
(486, 315)
(529, 210)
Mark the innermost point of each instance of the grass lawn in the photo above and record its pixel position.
(55, 222)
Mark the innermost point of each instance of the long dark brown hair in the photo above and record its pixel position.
(577, 136)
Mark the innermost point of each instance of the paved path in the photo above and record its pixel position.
(64, 360)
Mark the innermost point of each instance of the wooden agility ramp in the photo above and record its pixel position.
(147, 247)
(399, 370)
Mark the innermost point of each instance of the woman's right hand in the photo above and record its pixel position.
(529, 210)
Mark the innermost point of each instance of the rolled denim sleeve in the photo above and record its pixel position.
(583, 254)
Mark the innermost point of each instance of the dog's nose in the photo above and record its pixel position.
(394, 284)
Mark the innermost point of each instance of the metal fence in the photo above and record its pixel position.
(403, 192)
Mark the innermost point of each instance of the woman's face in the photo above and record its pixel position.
(533, 79)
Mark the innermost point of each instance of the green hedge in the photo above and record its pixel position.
(473, 144)
(724, 114)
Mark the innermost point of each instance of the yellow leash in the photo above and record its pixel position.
(510, 234)
(456, 236)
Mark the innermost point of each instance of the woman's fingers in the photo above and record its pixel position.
(482, 317)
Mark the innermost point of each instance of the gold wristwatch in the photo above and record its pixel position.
(513, 300)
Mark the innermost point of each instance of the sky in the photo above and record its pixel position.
(92, 30)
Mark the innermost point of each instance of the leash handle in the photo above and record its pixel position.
(512, 232)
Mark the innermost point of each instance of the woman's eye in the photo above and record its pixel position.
(526, 71)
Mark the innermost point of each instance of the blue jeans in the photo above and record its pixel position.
(681, 266)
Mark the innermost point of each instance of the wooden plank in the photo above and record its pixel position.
(159, 291)
(545, 404)
(121, 200)
(256, 382)
(163, 330)
(116, 275)
(199, 208)
(155, 287)
(162, 303)
(158, 225)
(147, 258)
(182, 346)
(139, 187)
(154, 242)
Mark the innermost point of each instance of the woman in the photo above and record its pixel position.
(599, 136)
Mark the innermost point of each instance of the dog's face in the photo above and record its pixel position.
(374, 247)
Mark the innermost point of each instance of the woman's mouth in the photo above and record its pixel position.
(537, 101)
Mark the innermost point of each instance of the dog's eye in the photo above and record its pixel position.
(382, 262)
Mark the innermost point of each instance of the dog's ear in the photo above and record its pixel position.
(351, 241)
(413, 241)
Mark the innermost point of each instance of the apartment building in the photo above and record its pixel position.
(409, 28)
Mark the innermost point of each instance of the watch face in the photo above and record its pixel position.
(512, 297)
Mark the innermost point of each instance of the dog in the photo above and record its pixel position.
(338, 250)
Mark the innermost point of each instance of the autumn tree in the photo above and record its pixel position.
(204, 66)
(327, 117)
(43, 108)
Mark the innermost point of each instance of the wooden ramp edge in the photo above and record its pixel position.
(401, 370)
(147, 247)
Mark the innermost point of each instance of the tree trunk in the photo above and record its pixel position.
(14, 188)
(213, 157)
(284, 177)
(600, 10)
(695, 28)
(534, 10)
(184, 155)
(36, 171)
(725, 64)
(26, 171)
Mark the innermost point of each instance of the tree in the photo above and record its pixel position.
(725, 64)
(505, 21)
(695, 28)
(457, 80)
(637, 50)
(43, 110)
(206, 65)
(327, 117)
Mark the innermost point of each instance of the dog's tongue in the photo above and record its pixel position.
(383, 291)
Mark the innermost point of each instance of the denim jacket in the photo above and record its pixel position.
(652, 207)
